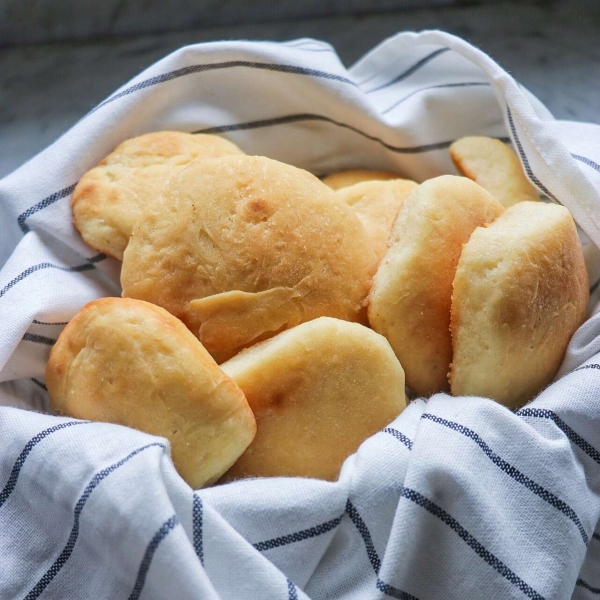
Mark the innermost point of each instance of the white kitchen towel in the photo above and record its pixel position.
(458, 498)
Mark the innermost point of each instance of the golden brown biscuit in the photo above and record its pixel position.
(108, 200)
(520, 291)
(410, 299)
(317, 391)
(344, 179)
(495, 167)
(245, 246)
(132, 363)
(376, 204)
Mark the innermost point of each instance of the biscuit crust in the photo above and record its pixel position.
(109, 199)
(342, 179)
(245, 246)
(495, 167)
(521, 290)
(128, 362)
(318, 391)
(376, 204)
(410, 299)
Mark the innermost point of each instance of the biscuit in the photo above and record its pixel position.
(376, 204)
(244, 246)
(344, 179)
(317, 391)
(410, 299)
(495, 167)
(521, 290)
(109, 199)
(131, 363)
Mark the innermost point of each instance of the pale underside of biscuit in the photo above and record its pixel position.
(342, 179)
(376, 204)
(109, 198)
(242, 247)
(318, 391)
(132, 363)
(520, 292)
(495, 167)
(410, 299)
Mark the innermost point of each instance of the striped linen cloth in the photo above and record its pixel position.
(456, 499)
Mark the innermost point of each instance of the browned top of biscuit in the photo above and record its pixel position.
(132, 363)
(521, 290)
(243, 246)
(109, 198)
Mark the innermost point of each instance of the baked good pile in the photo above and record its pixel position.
(270, 320)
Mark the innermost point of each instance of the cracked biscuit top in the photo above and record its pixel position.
(241, 247)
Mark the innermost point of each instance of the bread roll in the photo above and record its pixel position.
(495, 167)
(410, 299)
(337, 181)
(129, 362)
(521, 290)
(318, 391)
(244, 246)
(109, 199)
(376, 204)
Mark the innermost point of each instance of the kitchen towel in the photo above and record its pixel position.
(458, 498)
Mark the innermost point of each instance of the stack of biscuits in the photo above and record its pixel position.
(270, 321)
